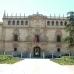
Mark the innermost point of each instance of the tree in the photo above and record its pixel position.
(70, 29)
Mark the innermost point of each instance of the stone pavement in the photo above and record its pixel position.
(36, 66)
(70, 67)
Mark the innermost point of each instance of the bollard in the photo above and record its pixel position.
(12, 54)
(4, 52)
(30, 55)
(21, 54)
(52, 55)
(43, 55)
(69, 54)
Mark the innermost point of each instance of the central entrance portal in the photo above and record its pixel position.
(37, 52)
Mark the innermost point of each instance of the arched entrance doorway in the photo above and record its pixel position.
(37, 52)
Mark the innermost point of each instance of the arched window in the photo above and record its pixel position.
(48, 22)
(58, 38)
(52, 23)
(13, 22)
(57, 23)
(9, 22)
(15, 37)
(61, 23)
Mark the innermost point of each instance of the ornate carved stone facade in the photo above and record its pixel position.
(24, 33)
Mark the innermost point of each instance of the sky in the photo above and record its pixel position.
(29, 7)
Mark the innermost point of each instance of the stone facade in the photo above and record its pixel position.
(24, 33)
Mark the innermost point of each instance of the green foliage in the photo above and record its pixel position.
(8, 59)
(66, 60)
(70, 29)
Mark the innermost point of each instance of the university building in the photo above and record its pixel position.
(35, 35)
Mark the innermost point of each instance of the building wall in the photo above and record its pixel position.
(37, 25)
(1, 32)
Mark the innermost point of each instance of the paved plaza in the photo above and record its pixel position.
(36, 66)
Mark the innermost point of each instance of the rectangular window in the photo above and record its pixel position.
(13, 23)
(22, 22)
(57, 23)
(52, 23)
(61, 23)
(26, 22)
(65, 23)
(48, 22)
(9, 22)
(17, 22)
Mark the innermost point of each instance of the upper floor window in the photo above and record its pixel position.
(65, 23)
(17, 22)
(13, 22)
(52, 23)
(22, 22)
(58, 38)
(57, 23)
(9, 22)
(48, 22)
(61, 23)
(26, 22)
